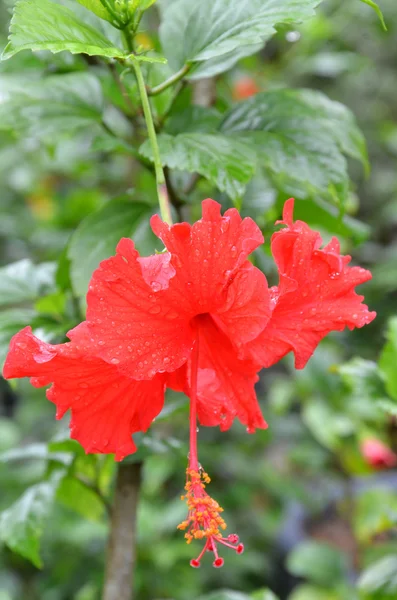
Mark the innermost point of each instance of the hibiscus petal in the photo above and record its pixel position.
(225, 384)
(106, 407)
(131, 318)
(315, 295)
(246, 309)
(207, 254)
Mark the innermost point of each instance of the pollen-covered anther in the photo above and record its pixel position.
(204, 521)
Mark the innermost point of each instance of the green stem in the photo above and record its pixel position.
(158, 168)
(170, 81)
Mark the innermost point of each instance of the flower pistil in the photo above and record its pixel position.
(204, 519)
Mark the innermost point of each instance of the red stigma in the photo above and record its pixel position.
(218, 563)
(195, 563)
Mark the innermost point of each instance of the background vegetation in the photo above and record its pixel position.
(318, 522)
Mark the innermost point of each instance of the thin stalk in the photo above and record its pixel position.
(170, 81)
(121, 553)
(193, 454)
(158, 168)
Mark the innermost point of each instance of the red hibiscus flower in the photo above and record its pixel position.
(315, 294)
(197, 317)
(106, 406)
(377, 454)
(145, 315)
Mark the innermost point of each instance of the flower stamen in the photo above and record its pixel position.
(204, 520)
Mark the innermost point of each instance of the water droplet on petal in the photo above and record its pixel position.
(171, 315)
(115, 361)
(225, 224)
(155, 310)
(156, 286)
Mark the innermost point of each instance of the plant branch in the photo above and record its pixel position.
(122, 539)
(158, 168)
(170, 81)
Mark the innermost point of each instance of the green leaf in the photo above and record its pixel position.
(389, 407)
(23, 281)
(326, 425)
(44, 25)
(377, 10)
(311, 592)
(263, 595)
(380, 577)
(11, 321)
(200, 31)
(194, 119)
(225, 595)
(319, 563)
(151, 59)
(388, 359)
(35, 451)
(21, 525)
(228, 163)
(302, 138)
(47, 106)
(75, 495)
(97, 236)
(363, 379)
(375, 513)
(97, 8)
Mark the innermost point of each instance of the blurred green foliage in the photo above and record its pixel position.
(318, 523)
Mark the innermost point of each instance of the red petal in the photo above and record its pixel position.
(177, 380)
(206, 255)
(246, 310)
(315, 294)
(225, 385)
(106, 407)
(131, 318)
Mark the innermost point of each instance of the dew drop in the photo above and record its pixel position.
(166, 360)
(171, 315)
(155, 310)
(115, 361)
(225, 224)
(156, 286)
(233, 251)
